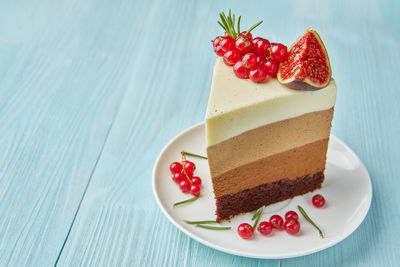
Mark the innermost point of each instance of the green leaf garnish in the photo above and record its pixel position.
(303, 212)
(186, 201)
(212, 227)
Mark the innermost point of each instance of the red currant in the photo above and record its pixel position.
(240, 70)
(262, 48)
(258, 75)
(196, 180)
(184, 185)
(189, 165)
(260, 61)
(189, 173)
(227, 43)
(195, 190)
(248, 35)
(245, 230)
(178, 177)
(318, 201)
(175, 167)
(271, 67)
(231, 57)
(249, 60)
(216, 42)
(291, 214)
(277, 222)
(243, 44)
(279, 52)
(265, 228)
(292, 226)
(218, 50)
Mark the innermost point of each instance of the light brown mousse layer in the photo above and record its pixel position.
(297, 162)
(268, 140)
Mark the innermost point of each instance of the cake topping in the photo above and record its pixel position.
(256, 58)
(307, 67)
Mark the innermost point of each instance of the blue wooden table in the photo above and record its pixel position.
(90, 92)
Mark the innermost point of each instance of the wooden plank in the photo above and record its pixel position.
(63, 70)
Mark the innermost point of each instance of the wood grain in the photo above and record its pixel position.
(90, 92)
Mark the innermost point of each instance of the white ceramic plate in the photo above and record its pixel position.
(347, 190)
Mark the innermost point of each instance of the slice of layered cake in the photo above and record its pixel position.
(267, 142)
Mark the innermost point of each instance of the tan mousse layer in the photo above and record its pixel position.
(296, 162)
(268, 140)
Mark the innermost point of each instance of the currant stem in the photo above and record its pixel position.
(184, 170)
(303, 212)
(186, 201)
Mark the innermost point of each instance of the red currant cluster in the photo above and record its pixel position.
(291, 225)
(182, 174)
(257, 58)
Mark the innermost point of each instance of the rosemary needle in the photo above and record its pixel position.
(192, 155)
(303, 212)
(186, 201)
(212, 227)
(199, 222)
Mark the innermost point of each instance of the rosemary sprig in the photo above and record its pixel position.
(257, 217)
(192, 155)
(200, 222)
(186, 201)
(303, 212)
(228, 24)
(213, 227)
(256, 214)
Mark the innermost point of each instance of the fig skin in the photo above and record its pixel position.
(306, 84)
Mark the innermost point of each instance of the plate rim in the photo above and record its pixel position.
(249, 255)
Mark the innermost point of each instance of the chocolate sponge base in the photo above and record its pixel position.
(265, 194)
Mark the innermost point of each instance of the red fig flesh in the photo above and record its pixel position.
(307, 67)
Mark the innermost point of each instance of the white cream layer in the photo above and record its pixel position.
(236, 105)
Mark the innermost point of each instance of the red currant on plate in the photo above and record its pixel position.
(245, 230)
(175, 167)
(196, 180)
(227, 43)
(291, 214)
(249, 60)
(276, 222)
(265, 228)
(292, 226)
(318, 201)
(243, 44)
(219, 51)
(241, 71)
(231, 57)
(279, 52)
(189, 165)
(178, 177)
(184, 185)
(195, 190)
(258, 75)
